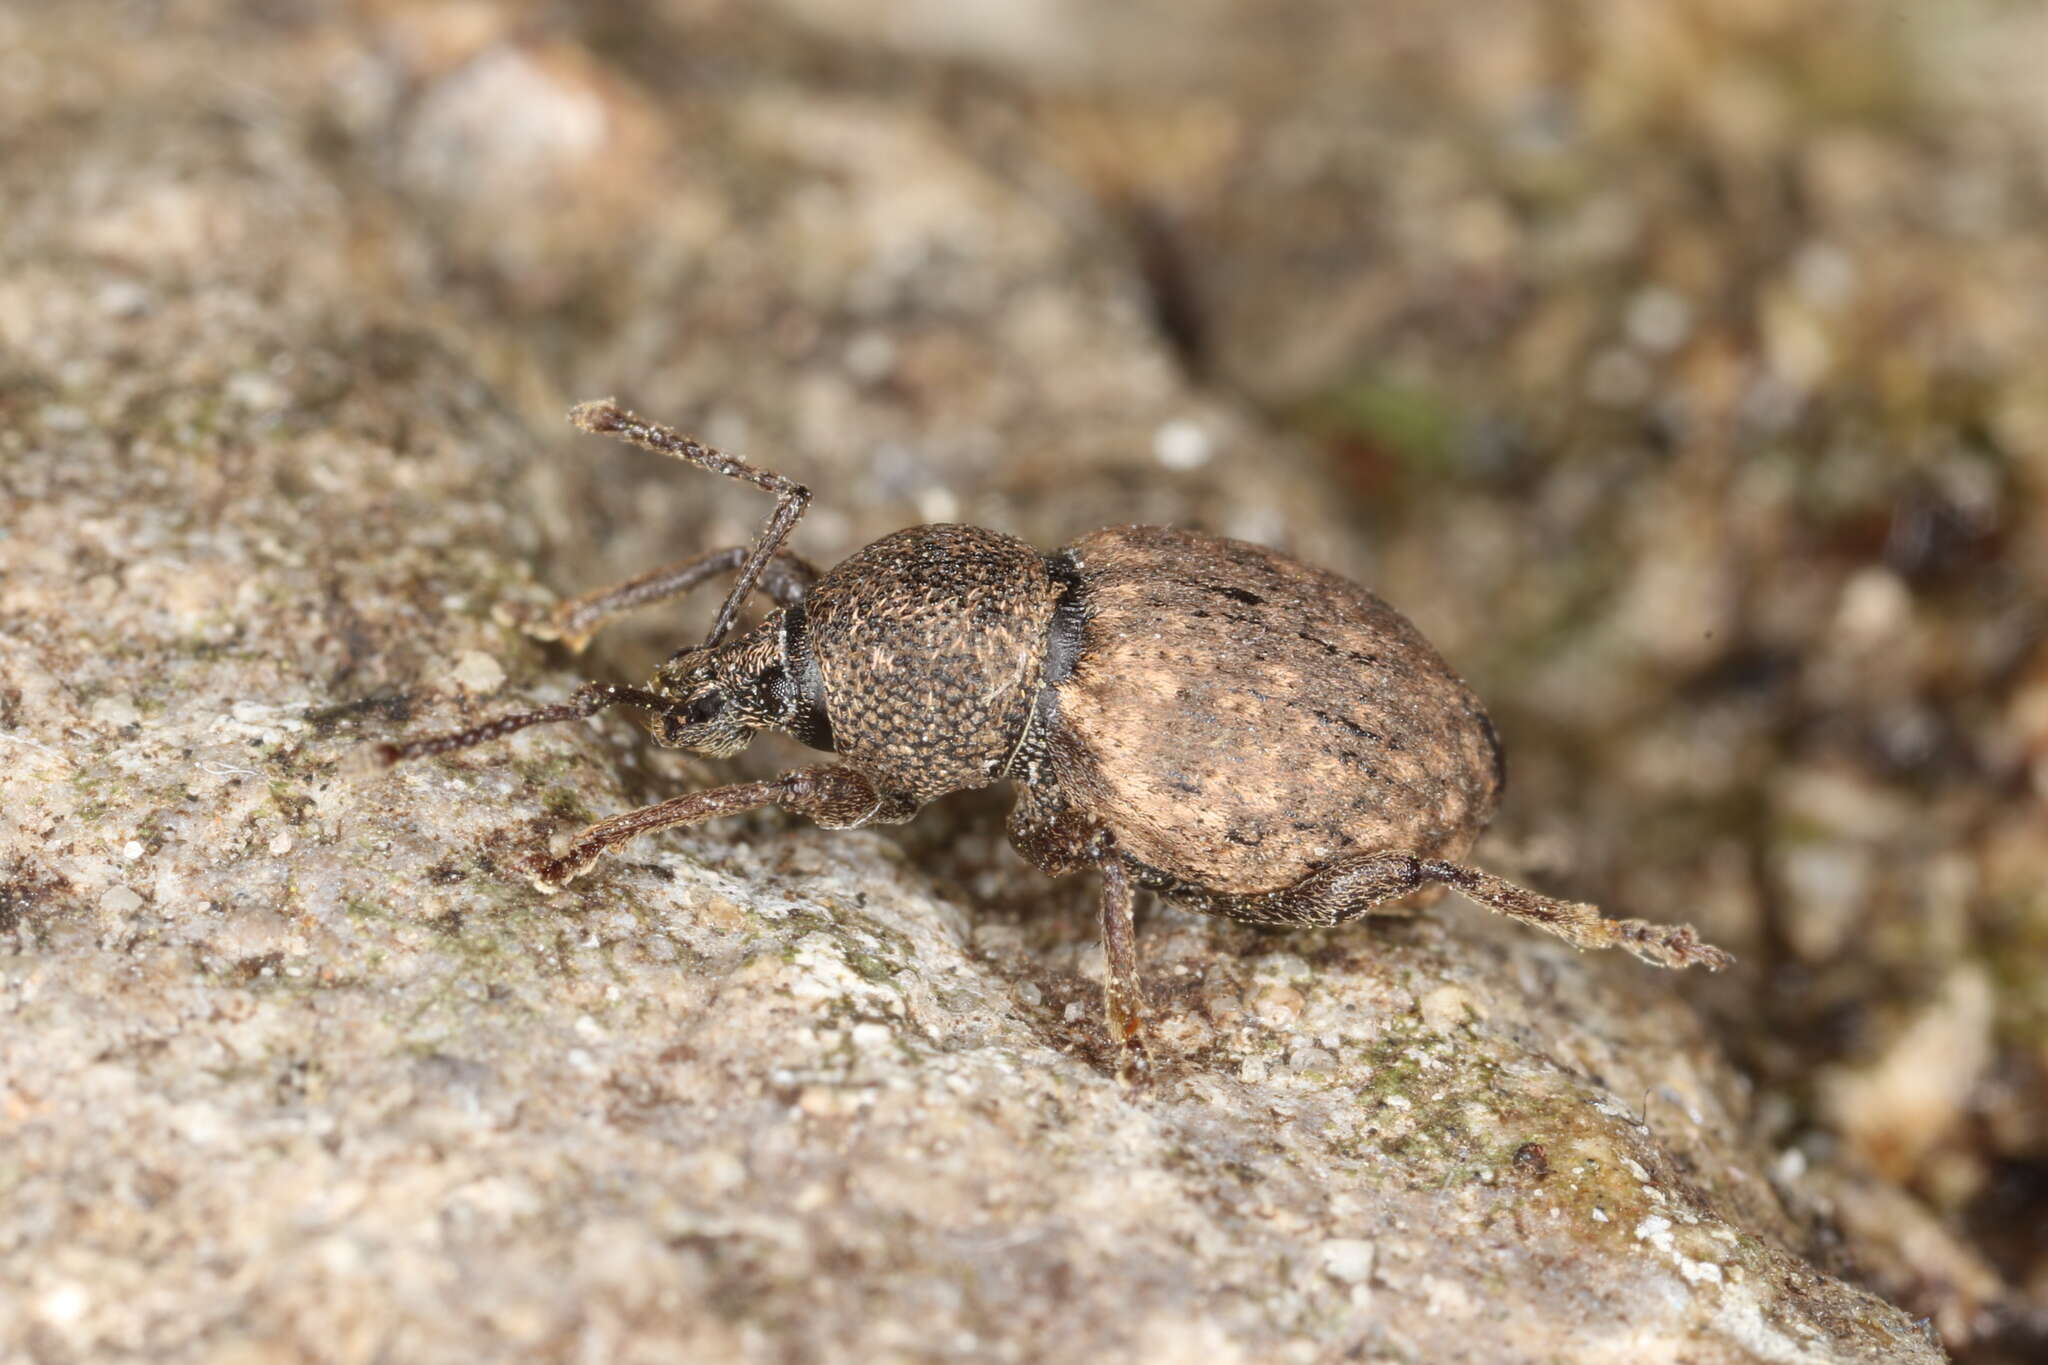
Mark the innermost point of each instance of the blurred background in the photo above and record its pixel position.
(1680, 366)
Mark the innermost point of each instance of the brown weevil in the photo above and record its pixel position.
(1203, 718)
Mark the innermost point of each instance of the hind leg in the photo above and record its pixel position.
(1358, 885)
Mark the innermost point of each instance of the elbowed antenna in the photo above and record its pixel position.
(586, 700)
(605, 417)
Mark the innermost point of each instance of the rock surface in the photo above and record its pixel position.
(292, 1067)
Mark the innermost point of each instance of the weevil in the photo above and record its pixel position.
(1203, 718)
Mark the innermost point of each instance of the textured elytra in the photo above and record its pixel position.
(1237, 720)
(930, 642)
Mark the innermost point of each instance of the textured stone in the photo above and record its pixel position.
(291, 1066)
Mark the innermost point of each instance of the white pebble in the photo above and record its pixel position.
(477, 672)
(1348, 1259)
(1182, 445)
(65, 1304)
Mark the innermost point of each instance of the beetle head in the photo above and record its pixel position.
(718, 696)
(707, 711)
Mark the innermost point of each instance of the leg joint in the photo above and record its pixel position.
(832, 797)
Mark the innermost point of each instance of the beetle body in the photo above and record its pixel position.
(1209, 719)
(1236, 720)
(1223, 718)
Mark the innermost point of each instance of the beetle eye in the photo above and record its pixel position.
(704, 710)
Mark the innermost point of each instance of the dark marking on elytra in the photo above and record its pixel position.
(1249, 599)
(1346, 724)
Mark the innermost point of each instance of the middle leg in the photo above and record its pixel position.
(1123, 992)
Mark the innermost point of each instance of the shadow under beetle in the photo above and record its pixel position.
(1237, 731)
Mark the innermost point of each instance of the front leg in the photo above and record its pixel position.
(785, 578)
(835, 797)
